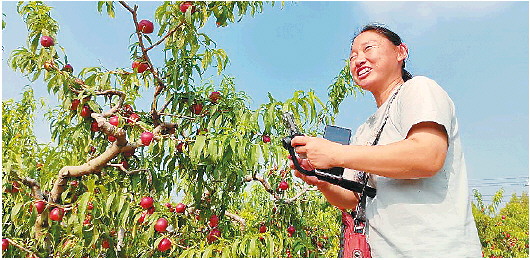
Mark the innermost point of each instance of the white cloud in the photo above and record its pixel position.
(417, 17)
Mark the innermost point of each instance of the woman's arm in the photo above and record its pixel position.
(421, 154)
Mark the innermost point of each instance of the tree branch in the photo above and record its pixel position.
(237, 218)
(159, 82)
(96, 164)
(117, 106)
(265, 184)
(165, 36)
(122, 168)
(306, 189)
(166, 104)
(179, 116)
(31, 254)
(99, 93)
(121, 235)
(35, 188)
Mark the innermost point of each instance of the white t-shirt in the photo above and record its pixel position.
(422, 217)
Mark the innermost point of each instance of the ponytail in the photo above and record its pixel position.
(405, 75)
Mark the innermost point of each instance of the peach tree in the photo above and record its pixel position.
(195, 173)
(503, 232)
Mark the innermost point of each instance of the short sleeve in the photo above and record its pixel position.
(423, 100)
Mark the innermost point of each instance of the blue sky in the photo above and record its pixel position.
(477, 51)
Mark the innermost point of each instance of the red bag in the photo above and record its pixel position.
(354, 243)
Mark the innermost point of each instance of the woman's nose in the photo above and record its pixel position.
(359, 60)
(355, 64)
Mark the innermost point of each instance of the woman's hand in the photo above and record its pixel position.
(311, 180)
(336, 195)
(319, 153)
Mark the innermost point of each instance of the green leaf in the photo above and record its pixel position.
(200, 141)
(33, 217)
(82, 204)
(218, 121)
(90, 184)
(188, 253)
(78, 227)
(270, 245)
(233, 145)
(235, 248)
(110, 9)
(188, 16)
(256, 153)
(266, 153)
(226, 253)
(121, 203)
(212, 149)
(125, 217)
(14, 212)
(252, 250)
(95, 236)
(208, 252)
(108, 205)
(100, 6)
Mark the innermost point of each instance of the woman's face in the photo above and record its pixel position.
(375, 62)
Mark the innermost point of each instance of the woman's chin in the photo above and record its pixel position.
(364, 84)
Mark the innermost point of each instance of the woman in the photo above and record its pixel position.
(421, 208)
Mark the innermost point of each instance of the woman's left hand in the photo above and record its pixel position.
(320, 153)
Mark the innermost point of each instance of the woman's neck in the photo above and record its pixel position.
(384, 94)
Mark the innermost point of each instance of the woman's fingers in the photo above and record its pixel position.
(304, 163)
(311, 180)
(300, 140)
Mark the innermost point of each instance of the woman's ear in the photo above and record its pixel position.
(403, 52)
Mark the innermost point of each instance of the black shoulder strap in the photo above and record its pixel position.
(360, 209)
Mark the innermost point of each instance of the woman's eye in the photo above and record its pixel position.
(368, 47)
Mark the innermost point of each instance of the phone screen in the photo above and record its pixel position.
(337, 134)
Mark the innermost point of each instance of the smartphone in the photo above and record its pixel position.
(337, 134)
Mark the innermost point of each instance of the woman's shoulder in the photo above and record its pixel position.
(420, 80)
(422, 84)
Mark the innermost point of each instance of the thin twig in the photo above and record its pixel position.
(117, 106)
(121, 167)
(306, 189)
(32, 254)
(166, 104)
(179, 116)
(163, 38)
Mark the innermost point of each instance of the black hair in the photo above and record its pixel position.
(392, 37)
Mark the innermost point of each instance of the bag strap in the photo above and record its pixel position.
(360, 214)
